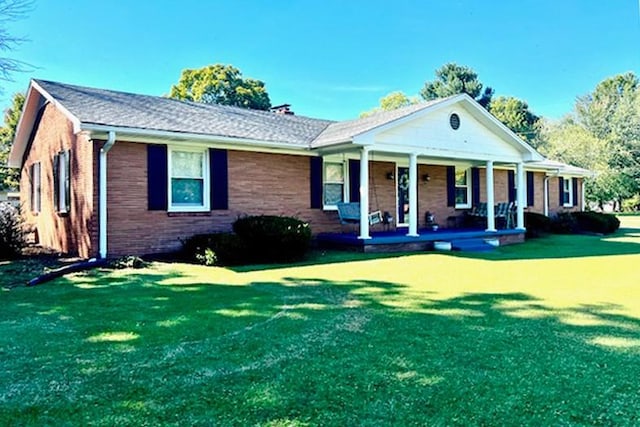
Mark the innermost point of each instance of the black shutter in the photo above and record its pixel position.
(354, 180)
(56, 183)
(451, 185)
(32, 183)
(157, 176)
(219, 186)
(561, 190)
(574, 183)
(530, 189)
(315, 182)
(67, 180)
(511, 186)
(475, 186)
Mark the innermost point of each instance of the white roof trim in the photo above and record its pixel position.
(367, 136)
(169, 136)
(30, 110)
(73, 119)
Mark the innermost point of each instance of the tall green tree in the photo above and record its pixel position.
(515, 114)
(221, 84)
(9, 177)
(452, 79)
(392, 101)
(603, 135)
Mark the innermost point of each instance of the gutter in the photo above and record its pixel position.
(111, 140)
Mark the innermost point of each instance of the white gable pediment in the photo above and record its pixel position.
(429, 133)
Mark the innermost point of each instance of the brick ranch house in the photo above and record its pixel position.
(113, 173)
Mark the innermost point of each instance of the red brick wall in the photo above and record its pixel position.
(259, 183)
(554, 197)
(76, 231)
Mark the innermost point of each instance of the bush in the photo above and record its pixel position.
(128, 261)
(536, 224)
(12, 234)
(596, 222)
(274, 238)
(216, 249)
(564, 223)
(631, 204)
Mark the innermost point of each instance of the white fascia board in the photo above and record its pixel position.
(443, 154)
(371, 133)
(27, 121)
(533, 154)
(177, 138)
(529, 153)
(73, 119)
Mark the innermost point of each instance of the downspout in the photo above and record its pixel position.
(111, 139)
(546, 196)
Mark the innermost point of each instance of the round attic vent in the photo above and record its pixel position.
(454, 121)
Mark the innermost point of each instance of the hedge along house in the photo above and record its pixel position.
(113, 173)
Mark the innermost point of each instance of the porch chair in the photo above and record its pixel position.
(477, 215)
(502, 214)
(349, 213)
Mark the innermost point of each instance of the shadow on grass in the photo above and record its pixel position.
(142, 347)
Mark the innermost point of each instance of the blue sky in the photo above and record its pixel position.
(334, 59)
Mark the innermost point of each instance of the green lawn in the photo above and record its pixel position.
(544, 333)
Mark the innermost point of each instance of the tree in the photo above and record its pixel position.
(392, 101)
(221, 84)
(9, 177)
(452, 79)
(515, 114)
(603, 135)
(11, 10)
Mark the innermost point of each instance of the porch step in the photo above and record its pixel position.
(471, 245)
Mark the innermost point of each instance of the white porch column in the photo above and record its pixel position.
(413, 195)
(520, 197)
(491, 217)
(364, 193)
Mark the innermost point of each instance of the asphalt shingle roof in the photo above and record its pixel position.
(345, 131)
(121, 109)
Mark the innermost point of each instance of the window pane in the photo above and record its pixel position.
(334, 172)
(333, 193)
(186, 164)
(461, 196)
(188, 192)
(461, 177)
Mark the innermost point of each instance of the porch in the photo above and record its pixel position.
(468, 239)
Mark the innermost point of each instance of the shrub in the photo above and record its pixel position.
(563, 223)
(631, 204)
(128, 261)
(536, 224)
(12, 234)
(216, 249)
(274, 238)
(596, 222)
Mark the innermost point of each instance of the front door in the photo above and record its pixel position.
(403, 196)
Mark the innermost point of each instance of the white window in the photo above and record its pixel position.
(334, 186)
(188, 180)
(62, 181)
(463, 188)
(35, 187)
(567, 192)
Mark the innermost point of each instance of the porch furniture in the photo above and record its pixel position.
(502, 214)
(349, 213)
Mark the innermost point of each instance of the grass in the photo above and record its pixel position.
(545, 333)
